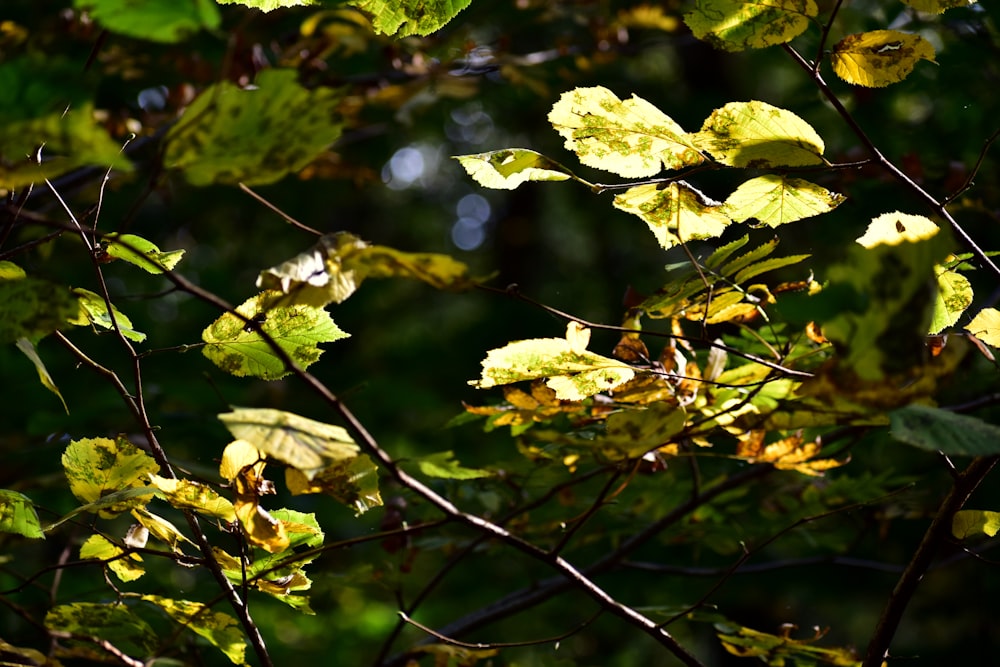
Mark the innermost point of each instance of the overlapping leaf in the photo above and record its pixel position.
(776, 199)
(127, 567)
(95, 311)
(187, 495)
(675, 213)
(510, 167)
(758, 135)
(221, 630)
(954, 295)
(735, 25)
(351, 481)
(879, 58)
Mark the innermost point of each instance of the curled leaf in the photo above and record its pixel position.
(879, 58)
(508, 168)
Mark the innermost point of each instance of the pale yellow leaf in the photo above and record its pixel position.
(735, 25)
(675, 213)
(758, 135)
(508, 168)
(776, 199)
(895, 228)
(986, 326)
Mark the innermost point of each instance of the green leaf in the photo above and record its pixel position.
(779, 650)
(732, 267)
(935, 430)
(125, 567)
(735, 25)
(96, 467)
(410, 17)
(352, 481)
(508, 168)
(268, 5)
(776, 199)
(112, 622)
(879, 58)
(255, 135)
(34, 308)
(631, 138)
(571, 371)
(759, 136)
(954, 295)
(139, 252)
(444, 465)
(675, 213)
(221, 630)
(986, 326)
(153, 20)
(17, 515)
(95, 311)
(29, 351)
(26, 656)
(187, 495)
(719, 256)
(241, 350)
(307, 445)
(632, 433)
(11, 271)
(974, 523)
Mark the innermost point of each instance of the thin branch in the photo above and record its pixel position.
(481, 646)
(975, 169)
(287, 218)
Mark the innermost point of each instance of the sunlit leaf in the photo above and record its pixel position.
(255, 135)
(648, 16)
(237, 455)
(410, 17)
(112, 622)
(632, 433)
(96, 312)
(975, 523)
(29, 351)
(572, 373)
(780, 650)
(508, 168)
(935, 430)
(789, 453)
(240, 350)
(351, 481)
(154, 20)
(879, 58)
(444, 465)
(28, 657)
(758, 135)
(260, 528)
(162, 529)
(895, 228)
(125, 567)
(268, 5)
(954, 295)
(775, 199)
(631, 138)
(221, 630)
(675, 213)
(187, 495)
(986, 326)
(17, 515)
(937, 6)
(302, 443)
(735, 25)
(11, 271)
(34, 308)
(98, 466)
(140, 252)
(116, 501)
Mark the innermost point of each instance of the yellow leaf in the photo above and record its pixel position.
(631, 138)
(937, 6)
(676, 213)
(895, 228)
(986, 326)
(221, 630)
(126, 568)
(97, 467)
(261, 528)
(735, 25)
(878, 58)
(237, 455)
(758, 135)
(975, 523)
(632, 433)
(187, 495)
(508, 168)
(775, 199)
(353, 482)
(160, 528)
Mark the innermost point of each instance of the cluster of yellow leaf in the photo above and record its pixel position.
(788, 453)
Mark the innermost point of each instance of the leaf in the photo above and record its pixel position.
(29, 351)
(28, 657)
(789, 453)
(139, 252)
(759, 136)
(954, 295)
(895, 228)
(351, 481)
(268, 5)
(153, 20)
(302, 443)
(221, 630)
(573, 373)
(879, 58)
(974, 523)
(238, 455)
(508, 168)
(676, 213)
(335, 267)
(444, 465)
(401, 18)
(119, 501)
(631, 138)
(96, 467)
(184, 494)
(776, 199)
(34, 308)
(935, 430)
(256, 135)
(986, 326)
(167, 532)
(937, 6)
(778, 650)
(18, 516)
(771, 264)
(114, 623)
(632, 433)
(95, 311)
(125, 567)
(11, 271)
(241, 350)
(735, 25)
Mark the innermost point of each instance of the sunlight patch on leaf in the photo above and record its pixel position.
(256, 135)
(96, 467)
(735, 25)
(775, 199)
(95, 311)
(571, 371)
(895, 228)
(25, 346)
(759, 136)
(975, 523)
(675, 213)
(163, 530)
(18, 515)
(240, 350)
(631, 138)
(221, 630)
(508, 168)
(154, 20)
(125, 567)
(351, 481)
(184, 494)
(954, 295)
(986, 326)
(934, 429)
(139, 252)
(879, 58)
(402, 18)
